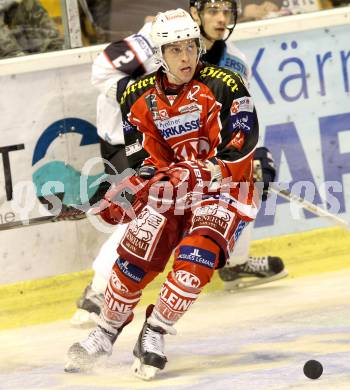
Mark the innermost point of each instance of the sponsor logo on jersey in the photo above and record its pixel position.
(130, 271)
(213, 217)
(127, 127)
(239, 229)
(179, 125)
(235, 64)
(193, 92)
(241, 123)
(190, 108)
(143, 233)
(171, 99)
(197, 255)
(133, 148)
(163, 114)
(171, 306)
(117, 283)
(141, 46)
(242, 104)
(138, 85)
(115, 303)
(222, 197)
(188, 279)
(219, 73)
(151, 102)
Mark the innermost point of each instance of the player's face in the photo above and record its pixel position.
(215, 18)
(181, 58)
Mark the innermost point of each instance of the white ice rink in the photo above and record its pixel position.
(257, 339)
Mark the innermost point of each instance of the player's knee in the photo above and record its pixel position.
(195, 261)
(129, 278)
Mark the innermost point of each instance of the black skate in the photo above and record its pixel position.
(88, 308)
(255, 271)
(149, 350)
(82, 356)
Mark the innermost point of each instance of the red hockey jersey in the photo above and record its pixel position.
(212, 117)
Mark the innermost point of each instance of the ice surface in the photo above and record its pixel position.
(257, 339)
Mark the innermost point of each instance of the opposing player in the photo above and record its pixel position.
(192, 190)
(119, 65)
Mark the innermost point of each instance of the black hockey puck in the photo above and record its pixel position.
(313, 369)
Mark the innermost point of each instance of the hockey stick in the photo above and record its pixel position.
(69, 213)
(319, 211)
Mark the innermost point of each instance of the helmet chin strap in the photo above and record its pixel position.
(167, 72)
(166, 69)
(203, 33)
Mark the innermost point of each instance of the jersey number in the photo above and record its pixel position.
(124, 59)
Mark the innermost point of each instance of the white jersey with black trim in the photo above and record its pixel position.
(122, 62)
(119, 65)
(130, 57)
(232, 58)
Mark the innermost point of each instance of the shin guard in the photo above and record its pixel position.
(123, 293)
(195, 260)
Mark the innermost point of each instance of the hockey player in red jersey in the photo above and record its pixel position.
(190, 130)
(117, 67)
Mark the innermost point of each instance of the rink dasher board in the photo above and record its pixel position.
(37, 120)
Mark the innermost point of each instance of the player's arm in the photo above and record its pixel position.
(239, 132)
(237, 62)
(121, 63)
(126, 198)
(135, 152)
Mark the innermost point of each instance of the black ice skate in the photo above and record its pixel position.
(255, 271)
(88, 308)
(149, 350)
(83, 355)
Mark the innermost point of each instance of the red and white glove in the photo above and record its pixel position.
(169, 187)
(182, 181)
(124, 201)
(201, 174)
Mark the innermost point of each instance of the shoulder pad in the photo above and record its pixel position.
(236, 61)
(137, 88)
(220, 78)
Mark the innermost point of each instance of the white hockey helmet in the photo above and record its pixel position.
(173, 26)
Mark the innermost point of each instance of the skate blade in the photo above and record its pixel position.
(83, 319)
(77, 365)
(240, 284)
(143, 371)
(71, 367)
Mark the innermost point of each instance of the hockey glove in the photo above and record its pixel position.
(124, 201)
(264, 169)
(180, 183)
(201, 174)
